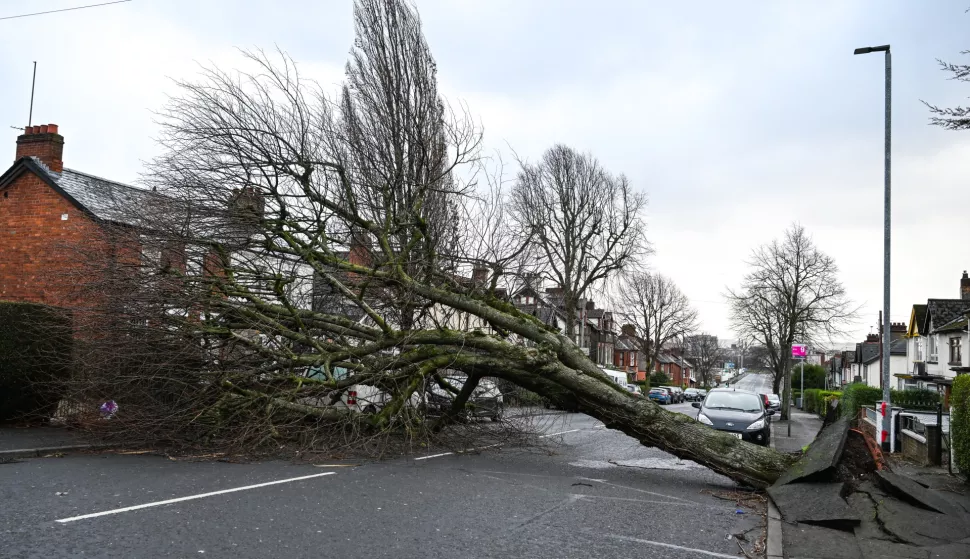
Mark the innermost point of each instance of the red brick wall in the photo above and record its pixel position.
(37, 245)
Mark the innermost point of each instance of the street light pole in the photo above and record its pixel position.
(886, 325)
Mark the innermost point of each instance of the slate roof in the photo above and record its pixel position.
(102, 199)
(943, 311)
(625, 343)
(595, 313)
(107, 200)
(898, 347)
(958, 324)
(866, 352)
(665, 358)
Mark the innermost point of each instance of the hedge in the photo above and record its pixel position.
(915, 399)
(817, 401)
(35, 353)
(856, 395)
(960, 422)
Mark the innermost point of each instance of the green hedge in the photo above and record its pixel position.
(35, 354)
(960, 422)
(856, 395)
(816, 400)
(915, 399)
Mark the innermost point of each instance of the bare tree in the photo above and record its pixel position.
(586, 222)
(311, 270)
(952, 118)
(705, 353)
(791, 293)
(658, 309)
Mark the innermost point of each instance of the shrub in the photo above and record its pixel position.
(817, 401)
(814, 376)
(659, 379)
(915, 399)
(960, 422)
(810, 399)
(856, 395)
(35, 354)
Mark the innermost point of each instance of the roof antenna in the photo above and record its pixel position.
(30, 117)
(33, 82)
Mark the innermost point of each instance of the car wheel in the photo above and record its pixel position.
(370, 409)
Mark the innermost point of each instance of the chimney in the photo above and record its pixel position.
(590, 306)
(872, 339)
(965, 286)
(44, 143)
(359, 249)
(479, 274)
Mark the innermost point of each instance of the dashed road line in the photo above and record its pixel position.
(670, 546)
(434, 456)
(189, 498)
(561, 433)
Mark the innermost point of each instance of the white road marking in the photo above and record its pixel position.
(604, 482)
(189, 498)
(651, 501)
(671, 546)
(434, 456)
(559, 433)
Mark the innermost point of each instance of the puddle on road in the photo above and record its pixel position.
(645, 463)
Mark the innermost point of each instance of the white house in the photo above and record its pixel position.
(938, 341)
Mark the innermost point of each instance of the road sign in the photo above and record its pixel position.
(799, 350)
(729, 365)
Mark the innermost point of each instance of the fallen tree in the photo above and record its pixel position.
(300, 248)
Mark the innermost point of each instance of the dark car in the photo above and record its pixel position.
(676, 393)
(738, 412)
(693, 394)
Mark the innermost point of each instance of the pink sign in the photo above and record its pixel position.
(799, 350)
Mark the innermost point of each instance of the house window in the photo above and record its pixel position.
(955, 346)
(918, 345)
(932, 349)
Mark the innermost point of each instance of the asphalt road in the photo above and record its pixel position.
(584, 491)
(760, 384)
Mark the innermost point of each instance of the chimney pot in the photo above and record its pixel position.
(44, 143)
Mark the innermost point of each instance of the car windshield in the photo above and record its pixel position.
(691, 391)
(657, 391)
(774, 398)
(740, 401)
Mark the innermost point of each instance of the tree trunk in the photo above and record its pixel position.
(653, 426)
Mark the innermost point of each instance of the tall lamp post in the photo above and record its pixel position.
(886, 329)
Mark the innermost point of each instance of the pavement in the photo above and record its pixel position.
(584, 491)
(23, 442)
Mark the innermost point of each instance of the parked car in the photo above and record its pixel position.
(661, 396)
(634, 389)
(693, 395)
(772, 401)
(486, 399)
(738, 412)
(676, 392)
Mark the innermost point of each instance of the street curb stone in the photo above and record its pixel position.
(42, 451)
(774, 548)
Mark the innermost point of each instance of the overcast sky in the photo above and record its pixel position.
(737, 118)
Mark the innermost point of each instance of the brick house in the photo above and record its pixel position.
(628, 353)
(52, 221)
